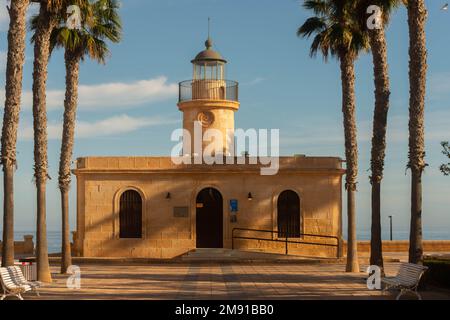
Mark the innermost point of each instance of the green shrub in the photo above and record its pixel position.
(438, 273)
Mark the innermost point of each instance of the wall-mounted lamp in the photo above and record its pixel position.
(250, 197)
(168, 196)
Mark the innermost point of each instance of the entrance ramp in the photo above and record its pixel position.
(233, 255)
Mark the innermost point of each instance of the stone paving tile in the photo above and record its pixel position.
(225, 282)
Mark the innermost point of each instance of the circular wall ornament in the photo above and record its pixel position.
(206, 118)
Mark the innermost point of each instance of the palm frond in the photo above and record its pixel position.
(311, 25)
(335, 28)
(101, 23)
(319, 7)
(387, 7)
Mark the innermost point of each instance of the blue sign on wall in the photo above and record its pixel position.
(233, 205)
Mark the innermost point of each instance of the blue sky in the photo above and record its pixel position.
(128, 106)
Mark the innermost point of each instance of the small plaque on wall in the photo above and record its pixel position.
(181, 212)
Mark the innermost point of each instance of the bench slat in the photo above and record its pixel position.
(11, 283)
(408, 275)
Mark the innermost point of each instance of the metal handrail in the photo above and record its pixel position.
(210, 89)
(286, 239)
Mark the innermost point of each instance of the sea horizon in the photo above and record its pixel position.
(436, 233)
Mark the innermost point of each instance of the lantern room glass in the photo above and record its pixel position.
(205, 70)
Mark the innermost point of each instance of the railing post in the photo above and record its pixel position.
(286, 243)
(340, 248)
(232, 239)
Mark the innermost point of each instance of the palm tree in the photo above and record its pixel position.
(45, 22)
(104, 25)
(377, 40)
(14, 72)
(50, 14)
(417, 16)
(338, 35)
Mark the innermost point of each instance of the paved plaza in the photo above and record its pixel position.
(224, 281)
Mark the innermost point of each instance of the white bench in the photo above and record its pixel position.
(10, 285)
(17, 275)
(406, 280)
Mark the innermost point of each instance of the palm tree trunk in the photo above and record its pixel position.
(14, 73)
(415, 237)
(417, 15)
(68, 136)
(66, 258)
(376, 244)
(41, 55)
(351, 154)
(382, 92)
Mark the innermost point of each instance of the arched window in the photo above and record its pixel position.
(130, 216)
(288, 214)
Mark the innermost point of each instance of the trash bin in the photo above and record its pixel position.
(28, 268)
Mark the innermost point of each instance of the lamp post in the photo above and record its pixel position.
(390, 223)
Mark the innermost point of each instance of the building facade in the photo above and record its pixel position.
(155, 207)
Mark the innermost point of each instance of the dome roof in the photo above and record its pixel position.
(208, 55)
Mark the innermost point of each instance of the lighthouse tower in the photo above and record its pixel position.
(208, 101)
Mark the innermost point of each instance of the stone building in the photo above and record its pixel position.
(155, 207)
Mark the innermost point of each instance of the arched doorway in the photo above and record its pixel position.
(209, 219)
(130, 215)
(288, 214)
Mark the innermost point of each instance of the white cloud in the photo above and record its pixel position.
(253, 82)
(109, 95)
(124, 94)
(105, 127)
